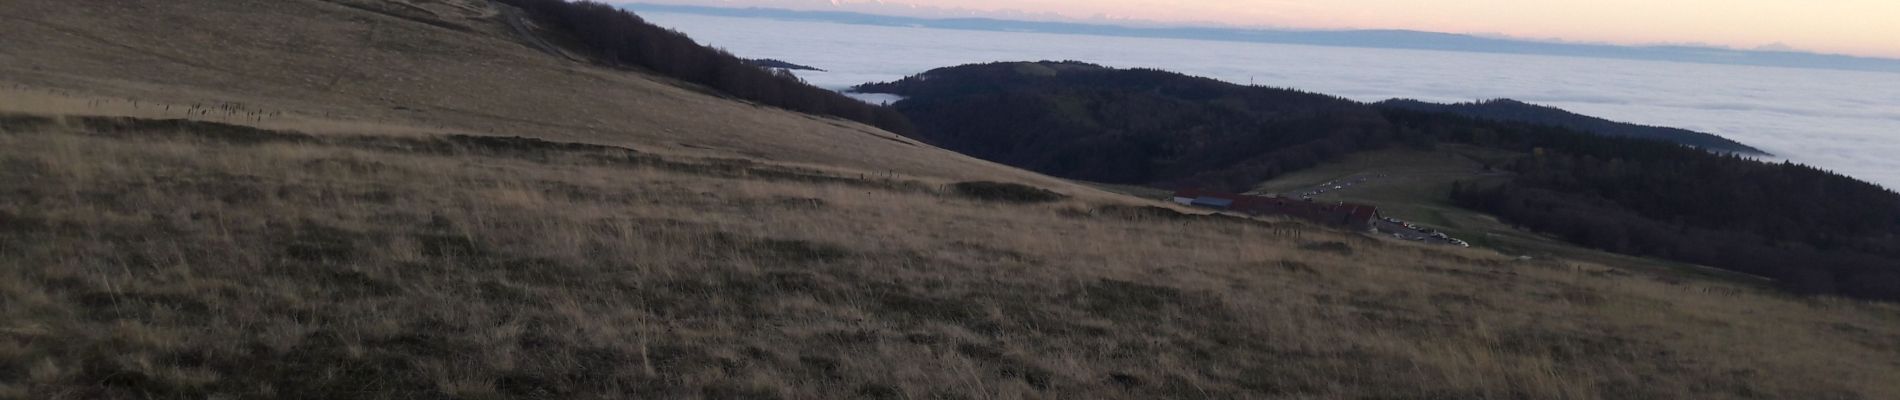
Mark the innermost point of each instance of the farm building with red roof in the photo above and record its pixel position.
(1355, 216)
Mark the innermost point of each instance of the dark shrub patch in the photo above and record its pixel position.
(879, 392)
(980, 352)
(1113, 298)
(1038, 378)
(16, 223)
(502, 293)
(109, 305)
(799, 203)
(1328, 247)
(950, 310)
(923, 339)
(800, 250)
(176, 128)
(448, 245)
(526, 386)
(357, 284)
(849, 338)
(1005, 192)
(530, 148)
(320, 243)
(824, 367)
(792, 281)
(118, 379)
(323, 367)
(1131, 301)
(536, 271)
(1296, 266)
(1451, 299)
(1143, 212)
(21, 122)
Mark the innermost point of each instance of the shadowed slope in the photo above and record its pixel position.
(456, 67)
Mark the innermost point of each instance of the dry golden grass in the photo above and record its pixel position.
(208, 261)
(369, 64)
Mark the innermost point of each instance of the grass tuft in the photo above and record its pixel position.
(1006, 192)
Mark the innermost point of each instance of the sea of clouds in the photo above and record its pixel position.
(1844, 121)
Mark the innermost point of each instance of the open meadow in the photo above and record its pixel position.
(184, 260)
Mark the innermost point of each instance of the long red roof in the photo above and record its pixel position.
(1338, 212)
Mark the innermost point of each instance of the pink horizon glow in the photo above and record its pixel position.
(1854, 27)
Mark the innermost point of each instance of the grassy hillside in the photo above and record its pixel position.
(528, 226)
(211, 260)
(416, 66)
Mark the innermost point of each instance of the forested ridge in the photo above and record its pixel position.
(1517, 111)
(1140, 126)
(1813, 231)
(619, 38)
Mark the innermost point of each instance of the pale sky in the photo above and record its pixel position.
(1857, 27)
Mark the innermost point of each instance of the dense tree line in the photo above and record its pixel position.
(1517, 111)
(1811, 230)
(620, 38)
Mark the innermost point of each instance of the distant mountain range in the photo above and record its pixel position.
(1517, 111)
(1387, 39)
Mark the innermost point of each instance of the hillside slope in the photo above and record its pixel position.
(630, 237)
(452, 65)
